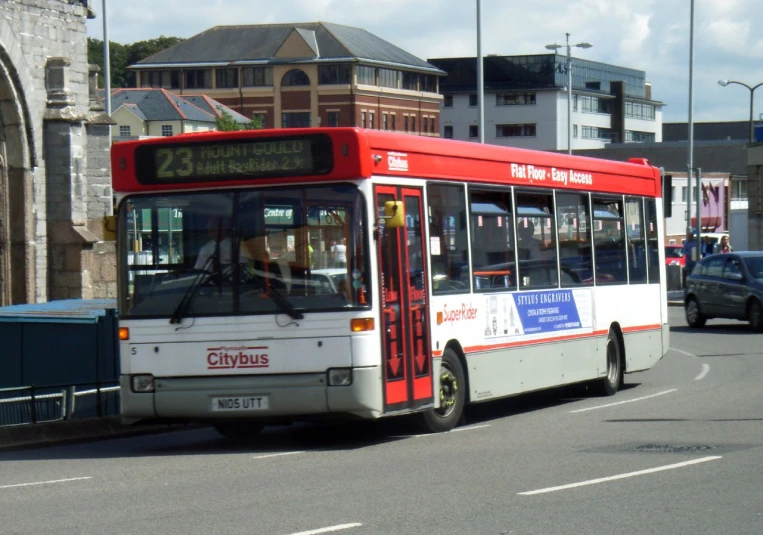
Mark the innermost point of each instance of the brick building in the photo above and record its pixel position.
(295, 75)
(54, 157)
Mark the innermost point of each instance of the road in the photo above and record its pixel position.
(679, 450)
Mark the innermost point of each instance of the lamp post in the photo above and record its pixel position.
(752, 89)
(556, 47)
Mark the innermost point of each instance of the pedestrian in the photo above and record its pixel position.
(707, 247)
(723, 246)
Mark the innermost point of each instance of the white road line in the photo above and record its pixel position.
(456, 430)
(44, 482)
(705, 371)
(329, 529)
(621, 476)
(683, 352)
(277, 454)
(626, 401)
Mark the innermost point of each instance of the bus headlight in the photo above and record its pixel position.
(340, 377)
(142, 383)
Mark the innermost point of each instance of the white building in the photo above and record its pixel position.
(526, 102)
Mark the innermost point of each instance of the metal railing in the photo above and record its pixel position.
(56, 402)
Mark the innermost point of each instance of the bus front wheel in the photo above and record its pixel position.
(452, 396)
(239, 430)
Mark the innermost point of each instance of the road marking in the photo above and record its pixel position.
(45, 482)
(456, 430)
(620, 476)
(683, 352)
(626, 401)
(277, 454)
(329, 529)
(705, 371)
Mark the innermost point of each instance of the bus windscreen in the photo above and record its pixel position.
(196, 161)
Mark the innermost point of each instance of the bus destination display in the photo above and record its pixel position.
(234, 159)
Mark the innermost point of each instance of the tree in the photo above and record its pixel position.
(226, 123)
(122, 56)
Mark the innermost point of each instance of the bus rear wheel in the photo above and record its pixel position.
(611, 383)
(239, 430)
(452, 396)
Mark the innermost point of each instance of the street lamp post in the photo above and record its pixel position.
(752, 89)
(556, 47)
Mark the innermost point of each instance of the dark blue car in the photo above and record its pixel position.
(726, 285)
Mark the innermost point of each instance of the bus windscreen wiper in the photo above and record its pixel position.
(278, 298)
(190, 293)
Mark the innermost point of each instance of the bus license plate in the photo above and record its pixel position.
(248, 403)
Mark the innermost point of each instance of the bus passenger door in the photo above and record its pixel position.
(407, 356)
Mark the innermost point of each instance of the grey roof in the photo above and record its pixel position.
(214, 107)
(260, 43)
(161, 105)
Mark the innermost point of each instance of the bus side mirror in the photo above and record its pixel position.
(394, 214)
(110, 228)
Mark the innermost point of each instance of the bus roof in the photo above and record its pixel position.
(357, 153)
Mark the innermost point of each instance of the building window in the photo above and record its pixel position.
(166, 130)
(594, 132)
(431, 125)
(388, 78)
(515, 130)
(474, 130)
(514, 99)
(295, 119)
(371, 120)
(590, 104)
(295, 77)
(226, 78)
(334, 74)
(428, 83)
(447, 101)
(683, 193)
(575, 131)
(385, 118)
(362, 119)
(410, 81)
(394, 127)
(405, 123)
(413, 124)
(198, 79)
(124, 130)
(448, 132)
(160, 79)
(257, 76)
(639, 110)
(739, 190)
(333, 118)
(632, 136)
(473, 100)
(424, 124)
(366, 75)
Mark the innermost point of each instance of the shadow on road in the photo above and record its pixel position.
(333, 436)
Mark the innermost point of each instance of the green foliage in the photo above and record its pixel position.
(122, 56)
(226, 123)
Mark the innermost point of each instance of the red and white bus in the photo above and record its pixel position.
(282, 275)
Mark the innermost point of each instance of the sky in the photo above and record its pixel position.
(649, 35)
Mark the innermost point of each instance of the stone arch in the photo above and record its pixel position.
(18, 159)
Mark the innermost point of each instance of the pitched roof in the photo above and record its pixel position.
(161, 105)
(259, 44)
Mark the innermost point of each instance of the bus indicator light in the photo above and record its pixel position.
(358, 325)
(124, 333)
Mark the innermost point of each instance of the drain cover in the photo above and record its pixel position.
(673, 448)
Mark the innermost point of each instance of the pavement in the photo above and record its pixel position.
(73, 431)
(676, 298)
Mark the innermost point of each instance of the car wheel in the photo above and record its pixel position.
(694, 317)
(239, 430)
(755, 315)
(611, 383)
(452, 396)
